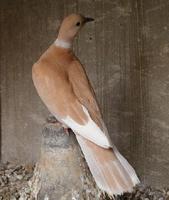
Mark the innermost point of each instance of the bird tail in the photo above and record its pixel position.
(111, 171)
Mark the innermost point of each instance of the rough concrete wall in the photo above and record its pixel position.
(27, 29)
(126, 57)
(155, 56)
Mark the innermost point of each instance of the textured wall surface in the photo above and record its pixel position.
(126, 54)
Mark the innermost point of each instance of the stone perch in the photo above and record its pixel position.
(62, 173)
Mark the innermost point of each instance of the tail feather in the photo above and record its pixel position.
(127, 166)
(111, 171)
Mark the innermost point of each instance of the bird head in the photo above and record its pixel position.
(71, 25)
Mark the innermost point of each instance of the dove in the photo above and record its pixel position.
(63, 86)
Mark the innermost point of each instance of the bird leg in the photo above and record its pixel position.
(66, 129)
(52, 120)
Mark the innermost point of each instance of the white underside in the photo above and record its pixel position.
(90, 130)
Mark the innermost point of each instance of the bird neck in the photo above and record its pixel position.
(63, 43)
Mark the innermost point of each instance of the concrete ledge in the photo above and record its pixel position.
(62, 173)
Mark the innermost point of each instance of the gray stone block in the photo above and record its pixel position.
(62, 173)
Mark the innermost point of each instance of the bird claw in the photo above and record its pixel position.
(66, 129)
(52, 120)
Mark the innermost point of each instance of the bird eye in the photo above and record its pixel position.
(78, 24)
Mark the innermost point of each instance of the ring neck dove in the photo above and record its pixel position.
(63, 86)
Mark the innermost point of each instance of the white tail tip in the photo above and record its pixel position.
(111, 171)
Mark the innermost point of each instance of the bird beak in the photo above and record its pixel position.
(88, 19)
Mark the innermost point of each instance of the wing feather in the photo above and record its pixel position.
(84, 92)
(72, 100)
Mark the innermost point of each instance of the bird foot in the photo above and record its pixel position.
(66, 129)
(52, 120)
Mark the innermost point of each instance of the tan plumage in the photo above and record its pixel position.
(63, 86)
